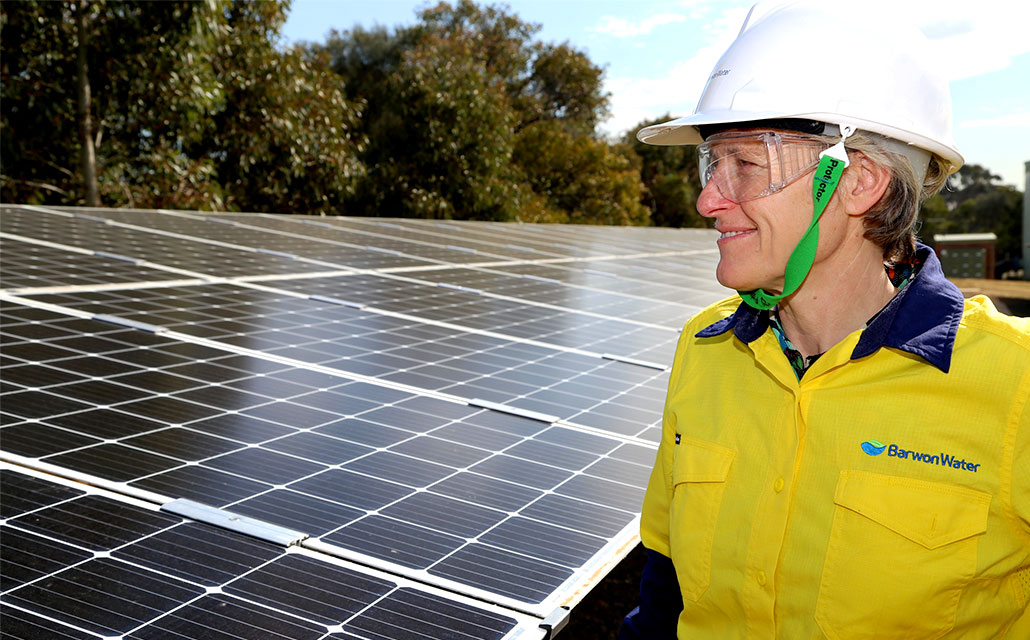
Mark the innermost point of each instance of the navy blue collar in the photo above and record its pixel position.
(922, 319)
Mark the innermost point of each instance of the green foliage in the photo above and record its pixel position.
(152, 92)
(580, 179)
(972, 203)
(283, 140)
(452, 105)
(670, 179)
(193, 108)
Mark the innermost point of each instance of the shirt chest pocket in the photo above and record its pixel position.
(900, 553)
(699, 473)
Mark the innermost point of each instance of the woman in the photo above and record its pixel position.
(846, 444)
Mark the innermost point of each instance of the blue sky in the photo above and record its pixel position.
(657, 54)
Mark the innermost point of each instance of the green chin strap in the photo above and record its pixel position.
(832, 163)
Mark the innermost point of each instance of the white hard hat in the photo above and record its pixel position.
(830, 63)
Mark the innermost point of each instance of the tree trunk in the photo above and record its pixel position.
(88, 159)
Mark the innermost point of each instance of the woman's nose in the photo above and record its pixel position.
(711, 201)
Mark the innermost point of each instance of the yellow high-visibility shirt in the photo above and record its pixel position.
(879, 497)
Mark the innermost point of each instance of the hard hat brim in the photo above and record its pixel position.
(684, 131)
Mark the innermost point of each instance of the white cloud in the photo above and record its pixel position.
(1007, 120)
(971, 39)
(623, 28)
(676, 90)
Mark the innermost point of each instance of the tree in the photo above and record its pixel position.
(578, 179)
(82, 114)
(283, 138)
(455, 104)
(148, 95)
(193, 106)
(670, 178)
(972, 203)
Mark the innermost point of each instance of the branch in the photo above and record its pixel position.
(37, 185)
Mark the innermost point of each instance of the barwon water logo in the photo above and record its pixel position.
(875, 448)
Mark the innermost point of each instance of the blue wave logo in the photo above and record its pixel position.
(873, 447)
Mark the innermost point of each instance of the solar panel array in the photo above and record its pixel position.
(326, 427)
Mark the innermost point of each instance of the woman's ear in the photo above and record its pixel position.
(865, 183)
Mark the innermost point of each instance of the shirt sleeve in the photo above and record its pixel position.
(1019, 466)
(660, 602)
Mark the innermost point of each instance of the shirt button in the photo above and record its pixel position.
(778, 485)
(761, 578)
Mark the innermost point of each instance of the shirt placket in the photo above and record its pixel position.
(787, 430)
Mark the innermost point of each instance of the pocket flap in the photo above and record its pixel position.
(700, 461)
(929, 513)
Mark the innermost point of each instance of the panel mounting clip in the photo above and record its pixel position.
(555, 622)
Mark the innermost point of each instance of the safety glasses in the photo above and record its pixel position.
(745, 166)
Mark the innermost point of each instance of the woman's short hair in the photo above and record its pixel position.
(892, 222)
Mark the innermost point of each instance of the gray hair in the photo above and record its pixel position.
(891, 222)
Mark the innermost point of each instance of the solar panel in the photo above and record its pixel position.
(463, 414)
(78, 563)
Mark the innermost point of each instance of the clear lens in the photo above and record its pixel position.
(746, 166)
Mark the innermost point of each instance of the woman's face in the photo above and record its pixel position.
(758, 235)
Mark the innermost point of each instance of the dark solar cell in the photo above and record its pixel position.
(313, 590)
(95, 522)
(169, 410)
(411, 615)
(20, 493)
(491, 492)
(39, 404)
(351, 489)
(114, 462)
(218, 617)
(445, 514)
(403, 543)
(319, 448)
(25, 556)
(291, 414)
(364, 432)
(266, 466)
(400, 469)
(106, 423)
(33, 375)
(297, 511)
(35, 440)
(225, 398)
(22, 625)
(201, 484)
(243, 428)
(158, 381)
(579, 515)
(498, 571)
(335, 403)
(184, 444)
(199, 553)
(119, 597)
